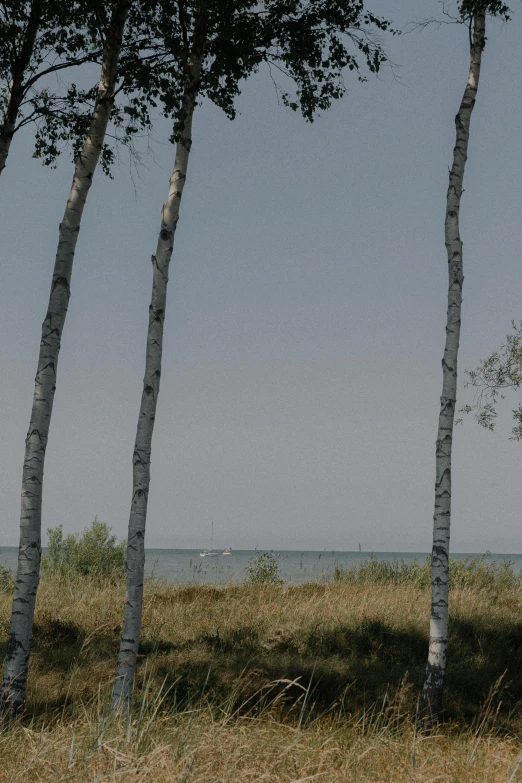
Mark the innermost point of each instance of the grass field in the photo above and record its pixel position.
(271, 683)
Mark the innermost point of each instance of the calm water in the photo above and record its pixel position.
(185, 565)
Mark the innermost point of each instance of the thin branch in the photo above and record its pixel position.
(61, 67)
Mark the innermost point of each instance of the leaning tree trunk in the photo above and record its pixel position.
(431, 699)
(16, 86)
(130, 640)
(12, 697)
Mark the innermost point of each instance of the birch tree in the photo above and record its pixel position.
(135, 68)
(311, 43)
(473, 13)
(14, 683)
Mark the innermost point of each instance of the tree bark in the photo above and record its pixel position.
(129, 645)
(16, 86)
(12, 697)
(432, 693)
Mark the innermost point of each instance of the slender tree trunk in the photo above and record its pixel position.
(431, 700)
(129, 645)
(16, 86)
(14, 684)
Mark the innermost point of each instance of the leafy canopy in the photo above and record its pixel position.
(306, 43)
(39, 39)
(468, 8)
(67, 35)
(64, 119)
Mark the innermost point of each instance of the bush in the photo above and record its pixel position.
(94, 553)
(263, 569)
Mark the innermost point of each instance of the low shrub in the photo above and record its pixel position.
(94, 554)
(263, 569)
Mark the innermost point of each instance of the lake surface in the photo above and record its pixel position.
(296, 567)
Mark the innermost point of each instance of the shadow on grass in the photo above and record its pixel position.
(348, 666)
(355, 666)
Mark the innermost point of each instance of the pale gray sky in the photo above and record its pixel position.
(305, 329)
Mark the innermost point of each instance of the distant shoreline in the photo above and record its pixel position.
(391, 552)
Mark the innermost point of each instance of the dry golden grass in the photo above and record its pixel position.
(205, 749)
(268, 683)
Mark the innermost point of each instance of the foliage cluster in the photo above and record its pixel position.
(500, 371)
(468, 8)
(309, 42)
(39, 40)
(263, 569)
(94, 554)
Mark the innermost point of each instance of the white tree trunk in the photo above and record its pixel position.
(431, 702)
(18, 647)
(129, 645)
(16, 86)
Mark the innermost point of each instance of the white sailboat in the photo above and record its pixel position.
(210, 552)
